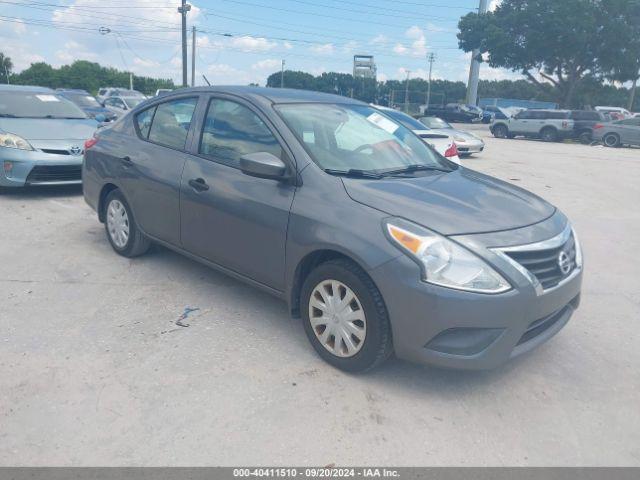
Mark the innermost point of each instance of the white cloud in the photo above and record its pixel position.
(252, 44)
(287, 45)
(494, 4)
(416, 45)
(267, 64)
(379, 39)
(326, 49)
(73, 51)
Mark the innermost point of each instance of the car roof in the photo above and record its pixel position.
(270, 95)
(72, 90)
(25, 88)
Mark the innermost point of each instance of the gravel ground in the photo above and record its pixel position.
(95, 371)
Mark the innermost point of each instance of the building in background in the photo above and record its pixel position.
(364, 66)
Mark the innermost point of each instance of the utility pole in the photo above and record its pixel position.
(130, 81)
(430, 58)
(406, 93)
(193, 56)
(632, 97)
(183, 9)
(282, 74)
(474, 69)
(6, 72)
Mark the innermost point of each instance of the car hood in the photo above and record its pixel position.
(459, 202)
(49, 128)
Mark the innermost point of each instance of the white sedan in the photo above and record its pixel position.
(466, 142)
(443, 143)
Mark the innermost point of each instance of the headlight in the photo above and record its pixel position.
(9, 140)
(444, 262)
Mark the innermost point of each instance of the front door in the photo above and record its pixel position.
(232, 219)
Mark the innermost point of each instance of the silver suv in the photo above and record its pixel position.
(548, 125)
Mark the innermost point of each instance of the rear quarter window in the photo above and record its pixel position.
(143, 122)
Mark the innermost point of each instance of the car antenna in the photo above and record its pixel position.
(205, 79)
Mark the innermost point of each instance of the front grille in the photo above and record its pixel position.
(545, 264)
(55, 152)
(54, 173)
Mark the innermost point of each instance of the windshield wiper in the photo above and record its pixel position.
(353, 172)
(413, 168)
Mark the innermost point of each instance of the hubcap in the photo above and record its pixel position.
(337, 318)
(118, 223)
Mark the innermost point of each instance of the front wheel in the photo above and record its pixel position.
(549, 135)
(611, 140)
(585, 138)
(124, 235)
(500, 131)
(345, 317)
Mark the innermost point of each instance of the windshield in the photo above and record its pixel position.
(356, 137)
(82, 99)
(132, 101)
(434, 122)
(37, 105)
(404, 119)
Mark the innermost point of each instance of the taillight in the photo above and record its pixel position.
(90, 143)
(452, 151)
(565, 124)
(598, 125)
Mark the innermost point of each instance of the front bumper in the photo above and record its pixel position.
(456, 329)
(468, 147)
(20, 168)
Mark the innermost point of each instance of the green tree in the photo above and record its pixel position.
(557, 43)
(6, 65)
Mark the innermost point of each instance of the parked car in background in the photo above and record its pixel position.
(380, 244)
(454, 112)
(616, 113)
(41, 137)
(162, 91)
(120, 105)
(467, 142)
(548, 125)
(107, 92)
(583, 123)
(443, 143)
(491, 112)
(88, 104)
(620, 132)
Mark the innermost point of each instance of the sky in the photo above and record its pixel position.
(242, 41)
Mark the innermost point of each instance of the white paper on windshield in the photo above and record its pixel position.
(382, 122)
(309, 137)
(47, 98)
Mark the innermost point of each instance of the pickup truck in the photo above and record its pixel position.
(548, 125)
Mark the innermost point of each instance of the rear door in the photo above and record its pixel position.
(629, 130)
(227, 217)
(153, 164)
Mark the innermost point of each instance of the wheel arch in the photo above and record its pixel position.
(305, 266)
(107, 188)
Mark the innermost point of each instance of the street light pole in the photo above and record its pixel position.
(406, 93)
(183, 9)
(430, 58)
(474, 69)
(282, 74)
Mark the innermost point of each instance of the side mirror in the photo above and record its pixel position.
(263, 165)
(100, 118)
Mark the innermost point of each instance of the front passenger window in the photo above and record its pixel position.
(232, 130)
(171, 122)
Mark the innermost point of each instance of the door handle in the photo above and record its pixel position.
(126, 161)
(198, 184)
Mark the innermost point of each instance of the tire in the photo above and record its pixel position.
(118, 218)
(367, 310)
(611, 140)
(585, 137)
(500, 131)
(548, 134)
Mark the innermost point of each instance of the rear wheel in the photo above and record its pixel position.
(124, 235)
(585, 137)
(549, 134)
(345, 317)
(611, 140)
(500, 131)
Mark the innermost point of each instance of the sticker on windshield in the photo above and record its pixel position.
(47, 98)
(382, 122)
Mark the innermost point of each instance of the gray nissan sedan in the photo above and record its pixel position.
(380, 244)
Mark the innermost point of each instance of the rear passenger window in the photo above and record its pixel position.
(143, 121)
(232, 130)
(171, 122)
